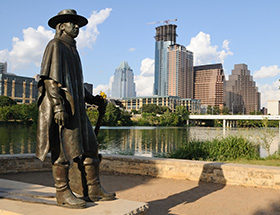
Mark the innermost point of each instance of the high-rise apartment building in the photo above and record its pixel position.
(3, 67)
(123, 85)
(180, 71)
(165, 36)
(208, 84)
(241, 95)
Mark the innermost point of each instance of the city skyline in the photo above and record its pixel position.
(216, 32)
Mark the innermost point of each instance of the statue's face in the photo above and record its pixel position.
(70, 29)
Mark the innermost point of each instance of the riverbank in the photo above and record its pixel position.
(214, 172)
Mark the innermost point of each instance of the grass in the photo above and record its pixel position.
(273, 160)
(257, 162)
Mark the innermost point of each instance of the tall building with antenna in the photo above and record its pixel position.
(165, 36)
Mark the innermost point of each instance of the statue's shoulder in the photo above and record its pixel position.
(54, 42)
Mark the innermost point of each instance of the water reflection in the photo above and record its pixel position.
(144, 141)
(17, 139)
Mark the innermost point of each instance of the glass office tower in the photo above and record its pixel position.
(123, 85)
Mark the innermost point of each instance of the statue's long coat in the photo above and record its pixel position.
(61, 63)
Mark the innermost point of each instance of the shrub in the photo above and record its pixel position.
(229, 148)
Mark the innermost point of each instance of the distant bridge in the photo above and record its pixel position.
(230, 120)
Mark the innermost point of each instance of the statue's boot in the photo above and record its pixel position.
(64, 195)
(95, 190)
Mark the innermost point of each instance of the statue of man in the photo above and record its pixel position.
(63, 126)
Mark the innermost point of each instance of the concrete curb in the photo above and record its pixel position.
(234, 174)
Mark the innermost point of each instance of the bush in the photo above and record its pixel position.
(22, 112)
(229, 148)
(6, 101)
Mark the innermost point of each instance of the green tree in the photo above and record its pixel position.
(134, 112)
(6, 101)
(182, 114)
(225, 110)
(114, 116)
(153, 108)
(213, 110)
(150, 108)
(92, 115)
(25, 113)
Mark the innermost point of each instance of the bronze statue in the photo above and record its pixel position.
(63, 126)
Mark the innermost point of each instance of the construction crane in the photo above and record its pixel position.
(164, 21)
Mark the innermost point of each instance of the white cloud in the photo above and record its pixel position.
(106, 88)
(205, 52)
(4, 55)
(131, 49)
(269, 92)
(89, 34)
(267, 72)
(145, 81)
(29, 50)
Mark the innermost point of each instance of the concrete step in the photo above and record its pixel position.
(18, 198)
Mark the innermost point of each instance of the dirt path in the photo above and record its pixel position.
(166, 196)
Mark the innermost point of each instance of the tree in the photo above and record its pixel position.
(6, 101)
(213, 110)
(153, 108)
(150, 108)
(182, 114)
(225, 110)
(114, 116)
(25, 113)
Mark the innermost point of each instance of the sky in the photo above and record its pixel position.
(216, 31)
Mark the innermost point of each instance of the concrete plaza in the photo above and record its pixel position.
(170, 196)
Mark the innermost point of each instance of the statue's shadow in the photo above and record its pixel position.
(163, 206)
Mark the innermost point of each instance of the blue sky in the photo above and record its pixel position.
(230, 32)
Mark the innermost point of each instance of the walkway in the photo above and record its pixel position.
(180, 197)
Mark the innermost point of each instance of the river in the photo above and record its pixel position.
(141, 141)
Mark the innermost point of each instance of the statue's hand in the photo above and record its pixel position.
(99, 100)
(61, 118)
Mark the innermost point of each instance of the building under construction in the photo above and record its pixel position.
(165, 36)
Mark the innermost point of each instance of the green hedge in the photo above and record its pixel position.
(19, 112)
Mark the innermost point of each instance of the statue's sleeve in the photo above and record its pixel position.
(54, 95)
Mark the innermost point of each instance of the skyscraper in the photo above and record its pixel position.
(123, 85)
(242, 95)
(208, 84)
(180, 71)
(3, 67)
(165, 36)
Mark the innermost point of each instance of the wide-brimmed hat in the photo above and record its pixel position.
(68, 15)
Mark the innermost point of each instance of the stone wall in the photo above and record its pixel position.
(23, 163)
(234, 174)
(214, 172)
